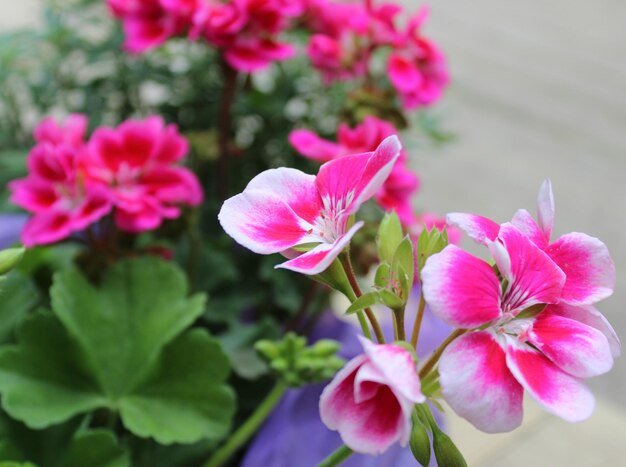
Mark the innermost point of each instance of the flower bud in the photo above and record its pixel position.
(9, 259)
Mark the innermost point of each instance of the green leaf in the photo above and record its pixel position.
(18, 296)
(41, 379)
(383, 275)
(403, 266)
(123, 351)
(186, 391)
(379, 297)
(95, 448)
(389, 236)
(9, 259)
(123, 325)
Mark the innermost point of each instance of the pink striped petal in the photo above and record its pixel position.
(545, 208)
(591, 317)
(461, 289)
(294, 187)
(587, 265)
(576, 348)
(313, 147)
(320, 258)
(525, 223)
(533, 277)
(349, 181)
(478, 228)
(559, 393)
(477, 384)
(398, 369)
(371, 425)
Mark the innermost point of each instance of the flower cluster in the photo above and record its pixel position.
(347, 35)
(530, 319)
(247, 31)
(72, 183)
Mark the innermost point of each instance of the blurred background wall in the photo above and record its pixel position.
(539, 90)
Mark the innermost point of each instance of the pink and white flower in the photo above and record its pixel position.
(283, 208)
(370, 401)
(137, 163)
(511, 346)
(585, 260)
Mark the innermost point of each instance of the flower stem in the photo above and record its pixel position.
(249, 427)
(432, 361)
(399, 321)
(337, 457)
(418, 321)
(347, 264)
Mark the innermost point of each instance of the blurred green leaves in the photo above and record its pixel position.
(121, 346)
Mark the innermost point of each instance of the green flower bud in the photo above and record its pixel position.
(420, 442)
(9, 258)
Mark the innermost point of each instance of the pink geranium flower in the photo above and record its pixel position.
(56, 191)
(402, 183)
(136, 162)
(484, 372)
(282, 208)
(585, 260)
(417, 68)
(370, 401)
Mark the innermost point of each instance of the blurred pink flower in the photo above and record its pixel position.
(136, 162)
(417, 68)
(56, 191)
(370, 401)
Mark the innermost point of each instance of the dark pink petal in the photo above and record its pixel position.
(576, 348)
(404, 73)
(146, 213)
(591, 317)
(398, 369)
(46, 227)
(313, 147)
(545, 208)
(295, 188)
(177, 185)
(525, 223)
(171, 146)
(33, 194)
(321, 257)
(587, 264)
(559, 393)
(72, 132)
(461, 289)
(349, 181)
(533, 277)
(477, 384)
(478, 228)
(96, 205)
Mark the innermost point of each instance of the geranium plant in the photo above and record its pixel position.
(150, 321)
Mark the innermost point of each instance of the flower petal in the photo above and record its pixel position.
(320, 258)
(576, 348)
(349, 181)
(311, 146)
(478, 228)
(527, 225)
(477, 384)
(545, 208)
(587, 264)
(533, 277)
(559, 393)
(591, 317)
(46, 227)
(461, 289)
(397, 367)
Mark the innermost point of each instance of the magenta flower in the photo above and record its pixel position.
(402, 183)
(370, 401)
(417, 68)
(585, 260)
(56, 190)
(483, 373)
(136, 162)
(283, 208)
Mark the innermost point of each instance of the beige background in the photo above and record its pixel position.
(539, 91)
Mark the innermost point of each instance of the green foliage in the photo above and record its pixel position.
(419, 441)
(297, 364)
(430, 243)
(18, 296)
(9, 258)
(389, 237)
(121, 346)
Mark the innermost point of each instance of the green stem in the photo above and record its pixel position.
(249, 427)
(347, 264)
(399, 320)
(418, 321)
(337, 457)
(432, 361)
